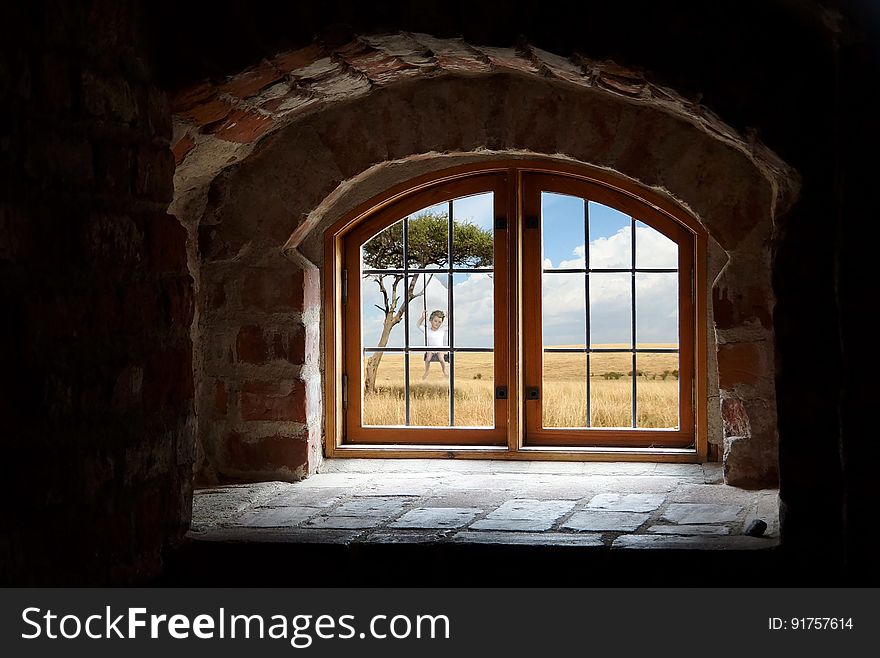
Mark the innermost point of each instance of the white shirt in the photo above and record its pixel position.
(436, 338)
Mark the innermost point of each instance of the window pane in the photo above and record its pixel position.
(562, 228)
(610, 238)
(384, 251)
(473, 230)
(657, 390)
(474, 315)
(611, 390)
(430, 298)
(653, 249)
(429, 388)
(381, 300)
(564, 392)
(428, 239)
(564, 317)
(383, 395)
(611, 310)
(474, 389)
(656, 309)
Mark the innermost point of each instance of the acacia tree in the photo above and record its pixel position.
(426, 247)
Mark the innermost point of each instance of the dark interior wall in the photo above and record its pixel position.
(96, 303)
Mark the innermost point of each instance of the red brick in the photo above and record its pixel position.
(297, 59)
(166, 239)
(739, 363)
(734, 418)
(251, 346)
(273, 401)
(208, 113)
(185, 99)
(266, 453)
(180, 150)
(273, 290)
(242, 127)
(250, 82)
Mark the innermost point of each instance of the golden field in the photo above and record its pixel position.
(564, 391)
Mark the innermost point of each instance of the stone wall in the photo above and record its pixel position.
(265, 157)
(96, 302)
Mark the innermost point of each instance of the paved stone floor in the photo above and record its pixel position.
(622, 506)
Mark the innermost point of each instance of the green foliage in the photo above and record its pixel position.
(675, 373)
(428, 244)
(612, 375)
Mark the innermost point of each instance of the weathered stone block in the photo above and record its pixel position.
(273, 401)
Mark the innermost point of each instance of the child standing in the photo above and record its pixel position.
(435, 336)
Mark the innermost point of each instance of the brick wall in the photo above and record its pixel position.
(97, 387)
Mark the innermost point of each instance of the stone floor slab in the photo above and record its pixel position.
(294, 495)
(298, 535)
(530, 539)
(688, 513)
(344, 522)
(736, 542)
(378, 506)
(689, 530)
(532, 509)
(437, 517)
(599, 521)
(398, 536)
(515, 525)
(326, 480)
(615, 502)
(276, 517)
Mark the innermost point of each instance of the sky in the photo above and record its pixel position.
(563, 294)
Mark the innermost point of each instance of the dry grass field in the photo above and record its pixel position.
(564, 391)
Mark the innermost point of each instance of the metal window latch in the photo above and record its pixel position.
(344, 286)
(533, 393)
(500, 392)
(532, 222)
(344, 391)
(501, 223)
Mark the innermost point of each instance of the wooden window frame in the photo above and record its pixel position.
(516, 434)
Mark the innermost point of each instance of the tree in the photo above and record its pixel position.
(427, 246)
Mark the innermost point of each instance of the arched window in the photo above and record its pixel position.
(521, 311)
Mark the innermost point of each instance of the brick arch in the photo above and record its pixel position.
(270, 158)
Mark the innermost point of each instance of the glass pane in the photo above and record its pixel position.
(657, 390)
(611, 390)
(656, 309)
(653, 249)
(383, 377)
(381, 301)
(564, 392)
(473, 230)
(430, 301)
(611, 310)
(562, 228)
(428, 239)
(610, 238)
(473, 307)
(474, 389)
(429, 388)
(563, 310)
(384, 251)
